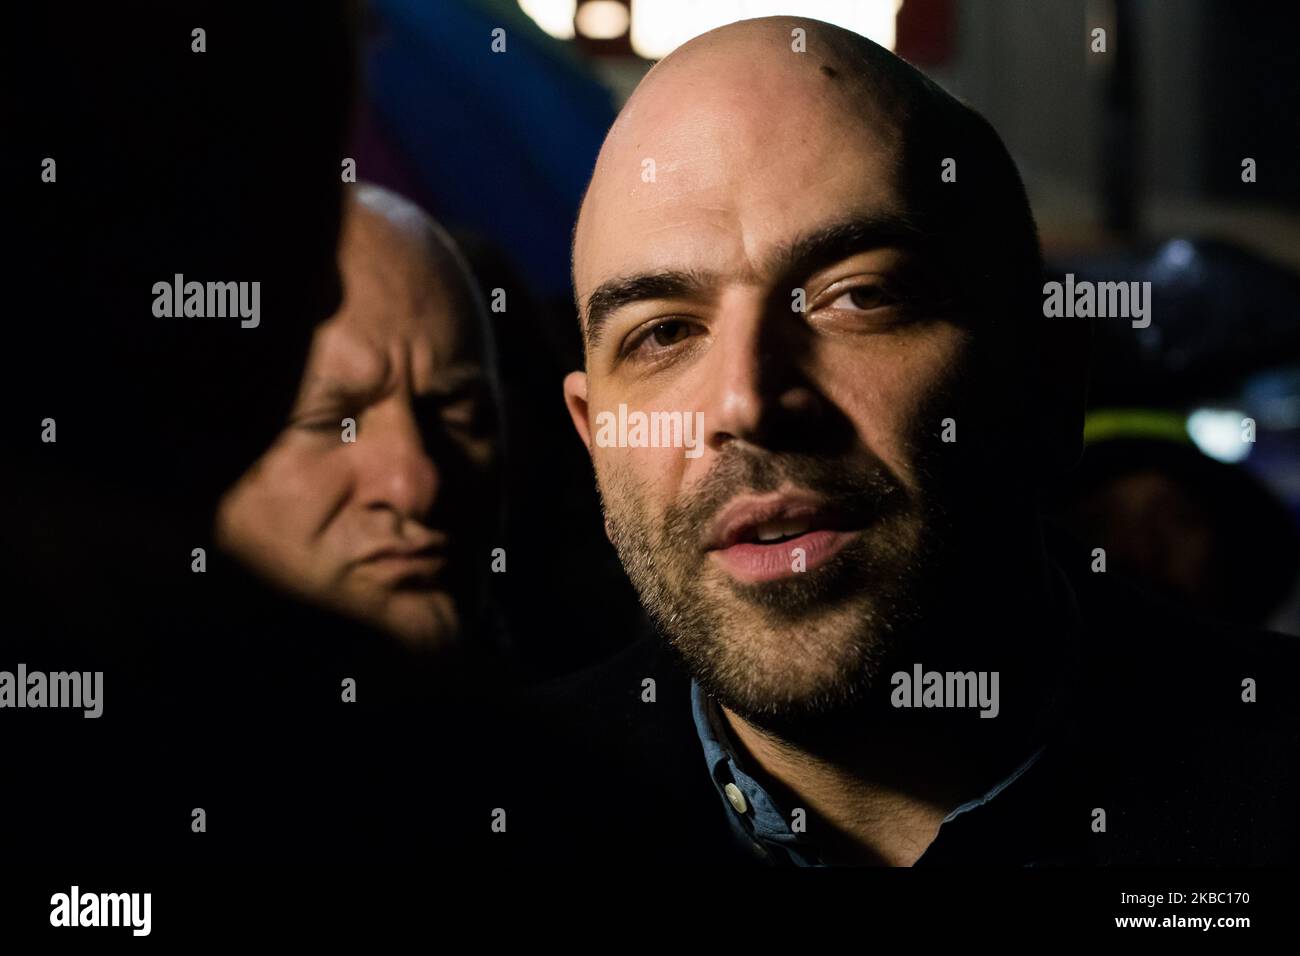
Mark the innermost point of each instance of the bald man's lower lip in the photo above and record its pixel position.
(750, 562)
(395, 567)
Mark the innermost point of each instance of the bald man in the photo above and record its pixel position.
(380, 497)
(866, 651)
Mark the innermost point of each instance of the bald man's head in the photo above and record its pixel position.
(740, 94)
(378, 499)
(798, 243)
(392, 240)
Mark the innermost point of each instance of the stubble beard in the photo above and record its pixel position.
(792, 652)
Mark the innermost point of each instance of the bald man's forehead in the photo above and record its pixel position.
(403, 293)
(720, 162)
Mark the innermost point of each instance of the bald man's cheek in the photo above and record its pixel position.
(647, 480)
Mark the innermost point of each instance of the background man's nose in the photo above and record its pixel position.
(397, 471)
(755, 392)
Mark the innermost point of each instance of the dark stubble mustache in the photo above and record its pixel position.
(865, 494)
(666, 560)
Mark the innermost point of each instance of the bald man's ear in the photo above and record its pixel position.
(575, 397)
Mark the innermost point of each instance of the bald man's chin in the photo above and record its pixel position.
(762, 664)
(420, 620)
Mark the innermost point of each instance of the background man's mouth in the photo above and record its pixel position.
(419, 568)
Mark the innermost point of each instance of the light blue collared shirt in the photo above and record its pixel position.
(763, 827)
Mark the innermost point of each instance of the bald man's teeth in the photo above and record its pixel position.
(770, 531)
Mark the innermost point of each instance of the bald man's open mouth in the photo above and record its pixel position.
(761, 538)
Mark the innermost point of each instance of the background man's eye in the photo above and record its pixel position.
(325, 421)
(321, 424)
(467, 416)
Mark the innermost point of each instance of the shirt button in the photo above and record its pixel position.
(735, 797)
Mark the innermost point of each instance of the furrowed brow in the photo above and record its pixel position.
(460, 377)
(617, 293)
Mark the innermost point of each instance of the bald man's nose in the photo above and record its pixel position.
(397, 472)
(755, 391)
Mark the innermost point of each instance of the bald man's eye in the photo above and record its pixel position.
(660, 337)
(319, 423)
(469, 417)
(864, 298)
(326, 421)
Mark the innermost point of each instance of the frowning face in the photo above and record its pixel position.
(376, 527)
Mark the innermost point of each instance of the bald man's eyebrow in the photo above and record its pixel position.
(617, 293)
(805, 254)
(829, 244)
(321, 390)
(459, 377)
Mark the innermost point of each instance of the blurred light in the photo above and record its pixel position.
(1217, 432)
(1179, 253)
(602, 19)
(553, 16)
(1274, 397)
(661, 26)
(1115, 424)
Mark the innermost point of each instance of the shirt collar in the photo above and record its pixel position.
(757, 822)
